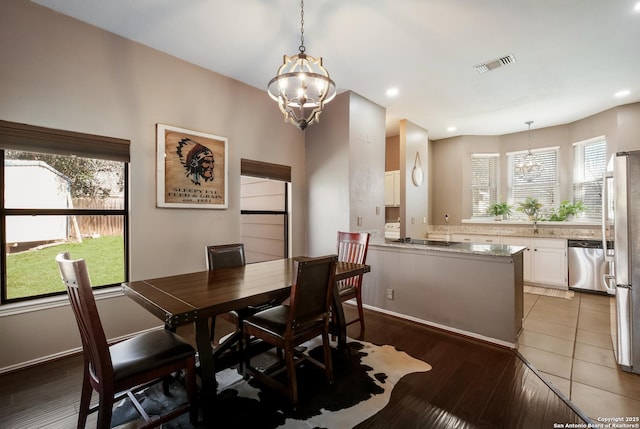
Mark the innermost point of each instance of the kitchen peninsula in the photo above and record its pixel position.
(474, 289)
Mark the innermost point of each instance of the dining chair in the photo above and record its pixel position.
(305, 316)
(353, 247)
(122, 369)
(226, 256)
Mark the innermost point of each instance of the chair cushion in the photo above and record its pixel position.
(147, 351)
(243, 313)
(273, 320)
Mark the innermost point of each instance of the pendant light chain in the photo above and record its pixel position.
(302, 85)
(302, 48)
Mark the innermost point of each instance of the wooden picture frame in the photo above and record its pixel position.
(192, 169)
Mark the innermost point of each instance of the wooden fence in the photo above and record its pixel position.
(99, 225)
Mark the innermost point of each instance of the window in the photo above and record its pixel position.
(61, 191)
(589, 166)
(544, 187)
(484, 182)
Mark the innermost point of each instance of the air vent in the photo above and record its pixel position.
(494, 64)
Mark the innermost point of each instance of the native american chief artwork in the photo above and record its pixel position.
(192, 169)
(197, 160)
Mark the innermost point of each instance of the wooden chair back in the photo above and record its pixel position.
(94, 342)
(352, 247)
(287, 326)
(311, 291)
(225, 255)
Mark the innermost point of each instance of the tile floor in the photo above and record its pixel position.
(569, 342)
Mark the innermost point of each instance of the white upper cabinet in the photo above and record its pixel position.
(392, 188)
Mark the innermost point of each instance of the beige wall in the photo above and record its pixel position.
(345, 168)
(414, 210)
(60, 73)
(450, 167)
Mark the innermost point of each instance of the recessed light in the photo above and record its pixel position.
(637, 7)
(392, 92)
(451, 129)
(622, 93)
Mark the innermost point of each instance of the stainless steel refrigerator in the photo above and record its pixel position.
(621, 222)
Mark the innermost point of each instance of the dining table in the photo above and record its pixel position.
(196, 297)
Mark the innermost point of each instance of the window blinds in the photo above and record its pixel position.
(484, 182)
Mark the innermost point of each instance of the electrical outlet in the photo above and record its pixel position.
(389, 293)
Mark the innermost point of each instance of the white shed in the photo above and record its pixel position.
(23, 179)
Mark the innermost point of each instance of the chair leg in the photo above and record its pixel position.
(247, 359)
(166, 382)
(190, 384)
(105, 409)
(328, 362)
(85, 398)
(291, 374)
(360, 310)
(241, 347)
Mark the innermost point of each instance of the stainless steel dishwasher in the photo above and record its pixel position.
(587, 266)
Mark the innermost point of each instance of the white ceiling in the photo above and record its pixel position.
(571, 55)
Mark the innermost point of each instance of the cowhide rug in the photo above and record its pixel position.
(363, 381)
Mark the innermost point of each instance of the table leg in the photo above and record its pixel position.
(207, 369)
(338, 314)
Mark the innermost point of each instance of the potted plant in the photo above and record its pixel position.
(566, 211)
(500, 210)
(531, 207)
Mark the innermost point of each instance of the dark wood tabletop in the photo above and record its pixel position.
(196, 297)
(183, 298)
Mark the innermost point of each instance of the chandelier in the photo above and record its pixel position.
(302, 86)
(528, 167)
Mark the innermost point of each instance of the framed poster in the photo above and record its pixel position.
(191, 169)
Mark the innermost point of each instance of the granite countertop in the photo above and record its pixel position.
(452, 247)
(524, 229)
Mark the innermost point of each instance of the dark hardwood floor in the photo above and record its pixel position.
(472, 385)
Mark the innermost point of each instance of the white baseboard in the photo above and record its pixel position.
(63, 354)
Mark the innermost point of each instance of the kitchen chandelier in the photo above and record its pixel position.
(528, 167)
(302, 86)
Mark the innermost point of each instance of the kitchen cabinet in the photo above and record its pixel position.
(392, 188)
(549, 262)
(544, 260)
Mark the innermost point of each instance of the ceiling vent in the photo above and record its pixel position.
(492, 65)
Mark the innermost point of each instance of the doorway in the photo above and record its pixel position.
(264, 210)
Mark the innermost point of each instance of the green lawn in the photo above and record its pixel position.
(35, 272)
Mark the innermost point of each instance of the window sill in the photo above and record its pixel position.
(53, 302)
(511, 222)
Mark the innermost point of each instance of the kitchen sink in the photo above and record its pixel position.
(430, 242)
(424, 242)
